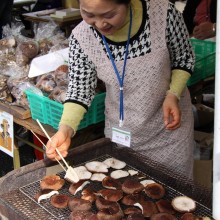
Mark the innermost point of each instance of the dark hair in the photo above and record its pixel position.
(125, 2)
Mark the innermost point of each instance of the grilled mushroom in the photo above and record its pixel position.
(132, 199)
(133, 172)
(149, 208)
(117, 174)
(131, 186)
(155, 190)
(114, 163)
(88, 194)
(82, 215)
(111, 213)
(188, 216)
(136, 216)
(45, 194)
(111, 194)
(163, 216)
(102, 203)
(59, 201)
(146, 182)
(76, 204)
(97, 177)
(53, 182)
(97, 167)
(132, 210)
(183, 204)
(76, 187)
(165, 206)
(111, 183)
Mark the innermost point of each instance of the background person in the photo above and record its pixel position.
(200, 18)
(150, 44)
(5, 13)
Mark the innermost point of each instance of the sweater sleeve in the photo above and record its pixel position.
(82, 76)
(178, 43)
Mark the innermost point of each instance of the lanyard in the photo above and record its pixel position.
(120, 79)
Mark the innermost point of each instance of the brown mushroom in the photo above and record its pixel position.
(165, 206)
(136, 216)
(131, 199)
(59, 201)
(45, 194)
(149, 208)
(110, 213)
(76, 187)
(111, 194)
(88, 194)
(102, 203)
(76, 204)
(132, 210)
(163, 216)
(82, 215)
(131, 186)
(155, 190)
(111, 183)
(53, 182)
(188, 216)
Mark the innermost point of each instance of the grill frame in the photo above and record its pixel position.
(90, 151)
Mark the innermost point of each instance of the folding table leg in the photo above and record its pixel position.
(16, 159)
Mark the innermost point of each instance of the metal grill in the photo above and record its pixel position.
(30, 191)
(20, 205)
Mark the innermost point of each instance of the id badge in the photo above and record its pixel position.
(121, 137)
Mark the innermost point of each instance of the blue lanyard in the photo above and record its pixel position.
(120, 79)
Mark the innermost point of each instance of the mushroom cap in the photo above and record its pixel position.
(102, 203)
(155, 191)
(188, 216)
(82, 215)
(88, 194)
(97, 177)
(149, 208)
(146, 182)
(132, 210)
(163, 216)
(131, 186)
(45, 194)
(111, 194)
(165, 206)
(83, 173)
(59, 201)
(110, 213)
(111, 183)
(183, 204)
(117, 174)
(97, 167)
(133, 172)
(136, 216)
(76, 187)
(114, 163)
(131, 199)
(53, 182)
(76, 204)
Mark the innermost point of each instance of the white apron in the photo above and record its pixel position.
(147, 79)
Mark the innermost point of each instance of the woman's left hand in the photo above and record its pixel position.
(171, 112)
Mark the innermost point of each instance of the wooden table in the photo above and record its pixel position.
(44, 16)
(21, 117)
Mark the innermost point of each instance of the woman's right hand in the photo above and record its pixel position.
(61, 140)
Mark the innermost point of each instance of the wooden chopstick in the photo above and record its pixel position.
(46, 148)
(51, 141)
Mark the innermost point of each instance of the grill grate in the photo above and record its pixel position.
(31, 189)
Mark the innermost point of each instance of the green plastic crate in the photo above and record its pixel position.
(49, 112)
(205, 60)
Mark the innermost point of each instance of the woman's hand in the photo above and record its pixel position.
(204, 31)
(171, 112)
(61, 140)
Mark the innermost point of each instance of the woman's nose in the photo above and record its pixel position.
(100, 24)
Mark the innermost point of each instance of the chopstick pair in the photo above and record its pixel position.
(71, 174)
(46, 148)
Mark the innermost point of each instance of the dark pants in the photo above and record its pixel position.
(5, 13)
(39, 6)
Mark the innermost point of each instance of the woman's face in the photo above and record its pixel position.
(104, 15)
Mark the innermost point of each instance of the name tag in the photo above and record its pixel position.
(121, 137)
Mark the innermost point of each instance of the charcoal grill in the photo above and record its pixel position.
(19, 187)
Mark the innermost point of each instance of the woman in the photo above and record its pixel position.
(145, 106)
(200, 18)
